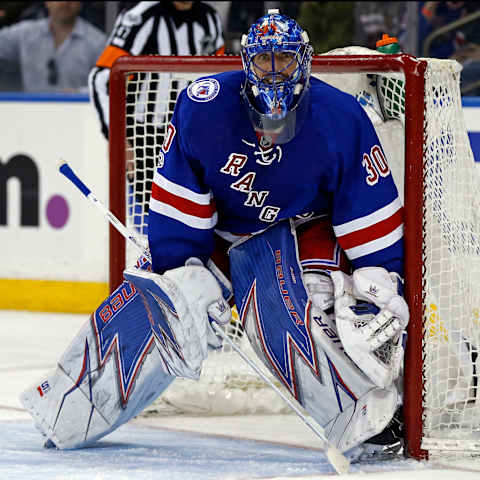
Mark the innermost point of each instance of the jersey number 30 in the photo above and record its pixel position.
(375, 164)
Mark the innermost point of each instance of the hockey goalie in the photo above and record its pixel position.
(273, 192)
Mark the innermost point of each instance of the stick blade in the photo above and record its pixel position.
(339, 462)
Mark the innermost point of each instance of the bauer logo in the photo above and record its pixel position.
(203, 90)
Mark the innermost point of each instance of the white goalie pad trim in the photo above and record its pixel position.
(372, 338)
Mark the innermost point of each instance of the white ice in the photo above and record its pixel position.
(168, 448)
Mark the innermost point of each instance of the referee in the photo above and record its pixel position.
(152, 28)
(155, 28)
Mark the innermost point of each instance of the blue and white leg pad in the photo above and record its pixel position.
(298, 342)
(135, 343)
(108, 374)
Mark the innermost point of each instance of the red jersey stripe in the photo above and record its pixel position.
(373, 232)
(185, 206)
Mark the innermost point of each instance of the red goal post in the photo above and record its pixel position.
(414, 71)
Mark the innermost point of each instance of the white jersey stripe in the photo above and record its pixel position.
(190, 220)
(375, 245)
(179, 191)
(142, 37)
(163, 38)
(371, 219)
(198, 31)
(182, 40)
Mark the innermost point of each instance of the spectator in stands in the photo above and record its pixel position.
(54, 53)
(469, 57)
(434, 15)
(469, 53)
(462, 43)
(10, 12)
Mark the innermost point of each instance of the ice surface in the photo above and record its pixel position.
(180, 448)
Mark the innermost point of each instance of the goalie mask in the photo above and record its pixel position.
(276, 59)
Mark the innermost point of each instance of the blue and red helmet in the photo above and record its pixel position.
(276, 57)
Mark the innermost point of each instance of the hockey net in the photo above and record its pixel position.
(415, 105)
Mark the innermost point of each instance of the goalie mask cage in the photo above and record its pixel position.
(428, 148)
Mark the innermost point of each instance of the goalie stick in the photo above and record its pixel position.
(339, 462)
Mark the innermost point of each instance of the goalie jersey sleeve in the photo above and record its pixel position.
(367, 213)
(182, 212)
(214, 173)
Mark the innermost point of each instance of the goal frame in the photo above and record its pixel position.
(414, 71)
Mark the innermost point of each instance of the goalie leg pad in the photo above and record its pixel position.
(109, 373)
(145, 333)
(178, 335)
(57, 405)
(298, 342)
(183, 301)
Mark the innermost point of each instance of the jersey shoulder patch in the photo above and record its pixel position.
(203, 90)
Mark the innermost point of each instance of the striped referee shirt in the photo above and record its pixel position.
(155, 28)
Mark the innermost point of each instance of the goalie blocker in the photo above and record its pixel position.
(155, 327)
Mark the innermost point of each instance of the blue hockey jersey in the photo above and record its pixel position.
(214, 174)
